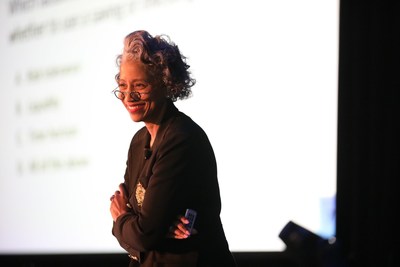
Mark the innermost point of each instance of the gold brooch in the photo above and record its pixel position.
(140, 192)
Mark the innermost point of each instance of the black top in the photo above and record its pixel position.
(177, 173)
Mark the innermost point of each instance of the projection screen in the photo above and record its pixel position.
(266, 95)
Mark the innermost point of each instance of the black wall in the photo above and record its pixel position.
(368, 130)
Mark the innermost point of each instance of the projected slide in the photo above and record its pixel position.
(266, 95)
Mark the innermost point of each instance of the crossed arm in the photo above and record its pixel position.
(120, 206)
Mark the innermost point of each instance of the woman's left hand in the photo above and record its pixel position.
(178, 229)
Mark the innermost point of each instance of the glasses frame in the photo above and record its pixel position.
(135, 95)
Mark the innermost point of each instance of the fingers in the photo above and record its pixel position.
(183, 219)
(123, 190)
(119, 202)
(178, 229)
(181, 227)
(175, 232)
(115, 194)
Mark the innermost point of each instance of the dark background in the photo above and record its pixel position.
(367, 159)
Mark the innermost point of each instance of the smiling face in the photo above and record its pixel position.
(134, 78)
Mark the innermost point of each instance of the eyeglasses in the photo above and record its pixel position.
(136, 96)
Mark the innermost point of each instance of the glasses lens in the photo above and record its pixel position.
(119, 94)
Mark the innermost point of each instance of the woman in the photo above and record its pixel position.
(170, 167)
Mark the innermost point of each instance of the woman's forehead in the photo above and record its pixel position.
(132, 70)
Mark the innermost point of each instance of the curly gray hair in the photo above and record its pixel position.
(162, 60)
